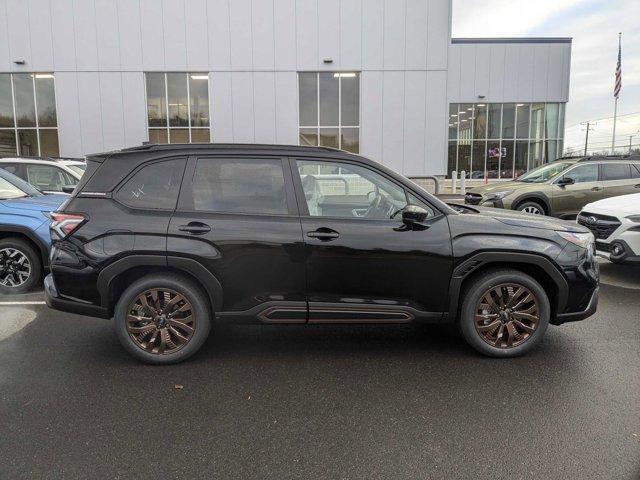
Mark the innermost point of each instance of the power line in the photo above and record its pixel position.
(604, 118)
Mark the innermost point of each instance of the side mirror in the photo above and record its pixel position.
(564, 181)
(414, 217)
(68, 189)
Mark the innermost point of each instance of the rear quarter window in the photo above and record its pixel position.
(155, 186)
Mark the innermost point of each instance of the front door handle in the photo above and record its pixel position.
(195, 228)
(596, 189)
(323, 234)
(637, 185)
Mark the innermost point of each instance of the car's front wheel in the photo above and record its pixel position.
(505, 313)
(162, 318)
(20, 268)
(534, 208)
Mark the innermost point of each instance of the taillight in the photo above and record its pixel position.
(64, 224)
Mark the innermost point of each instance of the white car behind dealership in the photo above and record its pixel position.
(615, 222)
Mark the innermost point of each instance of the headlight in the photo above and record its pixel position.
(634, 218)
(499, 195)
(583, 240)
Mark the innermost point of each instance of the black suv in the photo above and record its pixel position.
(167, 238)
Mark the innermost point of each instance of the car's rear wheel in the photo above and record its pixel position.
(532, 207)
(505, 313)
(20, 268)
(162, 319)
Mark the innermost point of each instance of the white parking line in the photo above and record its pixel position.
(23, 303)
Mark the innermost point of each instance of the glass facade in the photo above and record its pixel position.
(178, 107)
(503, 140)
(329, 109)
(28, 120)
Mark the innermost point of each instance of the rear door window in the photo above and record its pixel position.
(635, 170)
(49, 178)
(616, 171)
(240, 185)
(155, 186)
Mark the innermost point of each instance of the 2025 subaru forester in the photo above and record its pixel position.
(168, 238)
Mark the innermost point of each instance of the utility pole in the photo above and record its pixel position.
(588, 127)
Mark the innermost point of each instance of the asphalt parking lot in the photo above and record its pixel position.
(322, 401)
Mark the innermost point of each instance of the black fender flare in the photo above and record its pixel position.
(471, 265)
(539, 196)
(43, 249)
(211, 285)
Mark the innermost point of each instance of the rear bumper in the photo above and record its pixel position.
(576, 316)
(69, 305)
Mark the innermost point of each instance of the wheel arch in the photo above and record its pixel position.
(10, 231)
(540, 198)
(115, 278)
(536, 266)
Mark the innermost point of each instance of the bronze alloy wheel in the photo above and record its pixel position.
(507, 315)
(161, 321)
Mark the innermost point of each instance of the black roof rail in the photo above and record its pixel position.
(627, 156)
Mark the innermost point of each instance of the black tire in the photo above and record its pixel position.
(475, 292)
(531, 207)
(33, 258)
(181, 285)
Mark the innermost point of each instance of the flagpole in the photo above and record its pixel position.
(615, 105)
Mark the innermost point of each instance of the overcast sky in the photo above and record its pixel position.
(594, 27)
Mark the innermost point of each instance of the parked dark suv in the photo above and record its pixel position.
(166, 239)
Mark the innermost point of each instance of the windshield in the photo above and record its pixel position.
(544, 173)
(25, 188)
(79, 169)
(9, 190)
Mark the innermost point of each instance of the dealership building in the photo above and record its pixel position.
(382, 78)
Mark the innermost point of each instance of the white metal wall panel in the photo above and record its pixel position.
(415, 99)
(64, 44)
(108, 40)
(220, 98)
(243, 113)
(284, 34)
(175, 35)
(511, 89)
(263, 35)
(134, 108)
(496, 72)
(468, 72)
(219, 36)
(371, 108)
(525, 73)
(90, 112)
(329, 34)
(68, 113)
(112, 110)
(264, 107)
(394, 34)
(130, 34)
(351, 34)
(197, 41)
(566, 64)
(373, 35)
(240, 28)
(438, 33)
(18, 29)
(482, 70)
(393, 120)
(286, 107)
(416, 35)
(437, 113)
(40, 34)
(307, 34)
(152, 35)
(5, 55)
(540, 71)
(84, 24)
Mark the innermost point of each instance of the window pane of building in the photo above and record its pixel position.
(46, 100)
(536, 155)
(522, 120)
(479, 114)
(8, 142)
(493, 158)
(156, 100)
(551, 150)
(308, 98)
(508, 120)
(329, 91)
(464, 123)
(350, 139)
(495, 114)
(28, 142)
(506, 158)
(309, 137)
(521, 155)
(561, 122)
(453, 121)
(452, 158)
(199, 98)
(537, 121)
(6, 101)
(464, 159)
(478, 159)
(551, 121)
(178, 101)
(178, 135)
(329, 137)
(49, 142)
(200, 135)
(350, 99)
(158, 135)
(25, 103)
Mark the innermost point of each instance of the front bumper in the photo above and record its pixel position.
(475, 199)
(576, 316)
(54, 300)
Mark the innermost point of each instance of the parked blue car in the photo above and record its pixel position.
(24, 233)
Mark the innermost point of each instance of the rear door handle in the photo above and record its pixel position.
(596, 189)
(195, 228)
(637, 185)
(323, 234)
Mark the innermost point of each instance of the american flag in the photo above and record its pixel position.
(618, 84)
